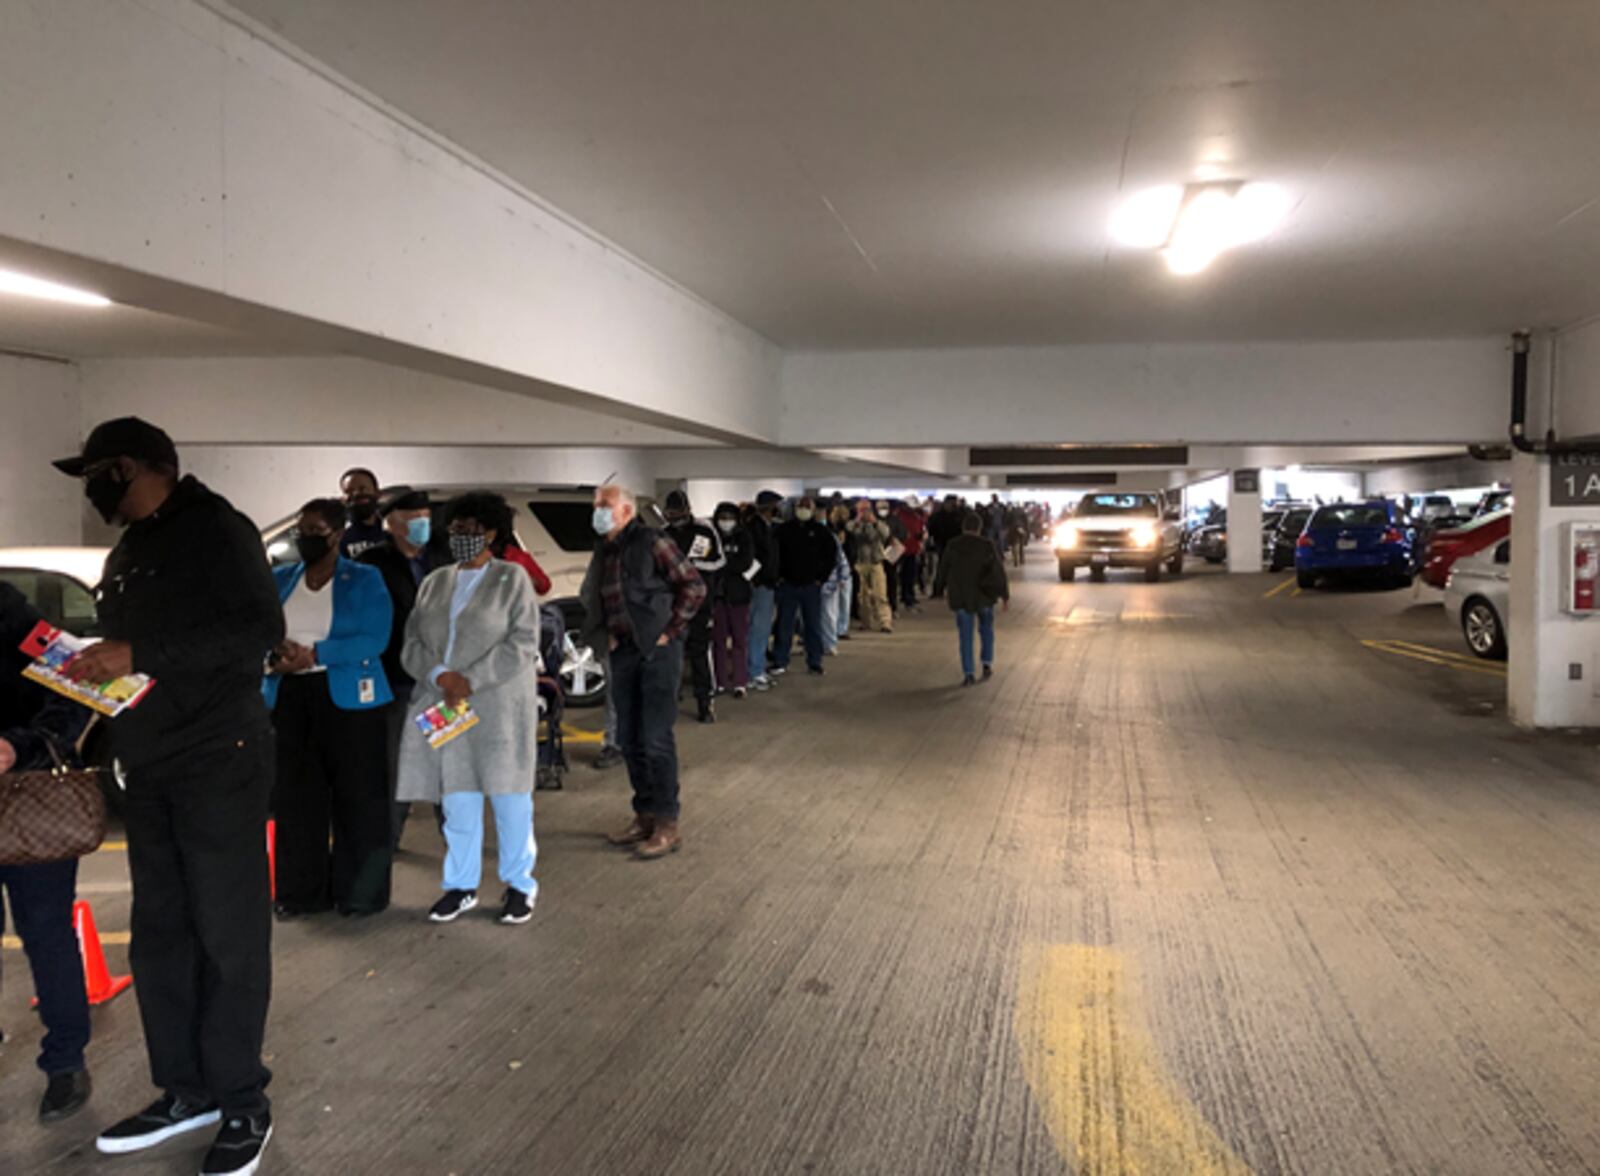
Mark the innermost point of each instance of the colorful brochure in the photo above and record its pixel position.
(440, 724)
(51, 649)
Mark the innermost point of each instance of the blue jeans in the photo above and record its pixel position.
(805, 599)
(846, 597)
(41, 899)
(513, 829)
(762, 603)
(964, 624)
(646, 687)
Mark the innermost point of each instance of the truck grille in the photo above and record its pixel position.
(1103, 539)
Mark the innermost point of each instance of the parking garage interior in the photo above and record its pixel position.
(1243, 862)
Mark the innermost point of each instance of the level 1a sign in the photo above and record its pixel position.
(1575, 479)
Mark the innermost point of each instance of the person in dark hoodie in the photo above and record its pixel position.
(761, 521)
(974, 575)
(730, 617)
(807, 556)
(702, 547)
(188, 599)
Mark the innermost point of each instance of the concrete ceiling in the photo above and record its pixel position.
(122, 332)
(844, 174)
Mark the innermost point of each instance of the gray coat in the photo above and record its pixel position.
(497, 650)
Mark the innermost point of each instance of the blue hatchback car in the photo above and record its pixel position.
(1371, 540)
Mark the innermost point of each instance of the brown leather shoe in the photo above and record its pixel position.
(663, 840)
(637, 832)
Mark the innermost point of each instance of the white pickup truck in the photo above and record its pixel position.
(1133, 530)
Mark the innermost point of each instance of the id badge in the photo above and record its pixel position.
(368, 690)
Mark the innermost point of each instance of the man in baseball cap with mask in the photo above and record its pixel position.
(188, 599)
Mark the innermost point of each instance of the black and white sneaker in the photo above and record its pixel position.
(239, 1145)
(453, 905)
(166, 1118)
(516, 907)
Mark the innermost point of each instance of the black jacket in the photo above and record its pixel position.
(190, 589)
(702, 547)
(764, 549)
(807, 553)
(401, 580)
(944, 526)
(30, 715)
(972, 573)
(739, 548)
(648, 596)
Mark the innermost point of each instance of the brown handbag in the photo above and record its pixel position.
(50, 816)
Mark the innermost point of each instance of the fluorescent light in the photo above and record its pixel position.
(12, 282)
(1257, 210)
(1204, 229)
(1144, 220)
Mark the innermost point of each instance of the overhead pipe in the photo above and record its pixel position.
(1521, 346)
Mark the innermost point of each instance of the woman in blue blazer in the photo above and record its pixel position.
(328, 694)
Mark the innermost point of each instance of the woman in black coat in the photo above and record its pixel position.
(730, 616)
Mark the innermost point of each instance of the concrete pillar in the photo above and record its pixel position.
(1554, 656)
(1244, 521)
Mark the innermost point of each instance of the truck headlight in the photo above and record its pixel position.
(1066, 536)
(1144, 536)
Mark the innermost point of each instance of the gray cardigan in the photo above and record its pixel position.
(497, 650)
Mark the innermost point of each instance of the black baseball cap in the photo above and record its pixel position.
(410, 500)
(123, 437)
(768, 498)
(677, 500)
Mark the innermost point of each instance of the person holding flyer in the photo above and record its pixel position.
(472, 644)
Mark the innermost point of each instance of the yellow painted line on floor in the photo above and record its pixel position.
(1271, 592)
(113, 847)
(1451, 654)
(107, 939)
(579, 735)
(1297, 591)
(1109, 1103)
(1435, 657)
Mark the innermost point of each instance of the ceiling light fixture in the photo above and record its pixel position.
(1191, 225)
(12, 282)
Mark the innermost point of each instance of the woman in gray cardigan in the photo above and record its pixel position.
(474, 637)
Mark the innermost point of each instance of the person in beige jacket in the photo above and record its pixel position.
(872, 537)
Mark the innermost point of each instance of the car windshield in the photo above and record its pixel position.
(1137, 505)
(569, 523)
(1350, 516)
(1294, 521)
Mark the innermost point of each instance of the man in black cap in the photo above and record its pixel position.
(764, 584)
(702, 547)
(188, 599)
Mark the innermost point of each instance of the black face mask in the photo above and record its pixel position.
(313, 549)
(105, 492)
(363, 510)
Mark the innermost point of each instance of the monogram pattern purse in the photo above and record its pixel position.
(51, 815)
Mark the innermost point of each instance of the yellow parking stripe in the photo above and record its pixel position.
(1436, 657)
(1271, 592)
(1107, 1100)
(113, 847)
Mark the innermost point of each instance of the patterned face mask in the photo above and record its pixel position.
(466, 548)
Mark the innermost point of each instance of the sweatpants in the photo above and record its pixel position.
(513, 831)
(730, 642)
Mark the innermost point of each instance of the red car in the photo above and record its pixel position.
(1448, 546)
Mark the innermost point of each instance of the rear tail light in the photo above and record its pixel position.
(1305, 541)
(1393, 535)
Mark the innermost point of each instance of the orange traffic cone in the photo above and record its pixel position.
(97, 978)
(272, 856)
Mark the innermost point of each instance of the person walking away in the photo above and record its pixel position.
(365, 529)
(404, 561)
(761, 523)
(188, 599)
(994, 524)
(944, 526)
(835, 595)
(730, 620)
(974, 576)
(871, 536)
(1016, 534)
(329, 698)
(839, 524)
(639, 596)
(473, 638)
(702, 547)
(33, 721)
(916, 530)
(807, 555)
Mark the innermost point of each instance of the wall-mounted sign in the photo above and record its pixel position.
(1575, 479)
(1247, 481)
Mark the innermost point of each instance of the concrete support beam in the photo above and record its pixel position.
(1244, 521)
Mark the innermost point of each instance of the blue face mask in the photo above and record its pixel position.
(419, 531)
(604, 521)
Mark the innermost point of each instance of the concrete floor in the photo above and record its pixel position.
(1201, 883)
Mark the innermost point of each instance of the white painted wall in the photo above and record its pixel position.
(39, 405)
(1426, 391)
(1577, 382)
(216, 171)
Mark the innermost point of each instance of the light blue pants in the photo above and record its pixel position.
(846, 596)
(763, 603)
(463, 837)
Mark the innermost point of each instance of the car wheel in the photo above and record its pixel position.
(583, 673)
(1069, 572)
(1481, 626)
(1152, 573)
(1098, 575)
(1175, 566)
(1306, 580)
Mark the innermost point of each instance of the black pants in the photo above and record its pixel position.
(394, 726)
(697, 652)
(806, 600)
(41, 899)
(646, 689)
(202, 920)
(910, 570)
(333, 775)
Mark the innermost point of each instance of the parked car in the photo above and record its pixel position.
(1443, 548)
(1492, 501)
(1478, 598)
(1120, 531)
(1210, 542)
(1278, 543)
(554, 526)
(1348, 540)
(59, 582)
(1430, 508)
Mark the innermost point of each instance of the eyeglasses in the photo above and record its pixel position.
(467, 527)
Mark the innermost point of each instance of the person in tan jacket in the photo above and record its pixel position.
(872, 537)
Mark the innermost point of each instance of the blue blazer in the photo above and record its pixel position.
(353, 652)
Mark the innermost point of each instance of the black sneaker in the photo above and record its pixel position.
(515, 908)
(609, 757)
(988, 672)
(64, 1096)
(239, 1145)
(166, 1118)
(453, 905)
(969, 680)
(815, 671)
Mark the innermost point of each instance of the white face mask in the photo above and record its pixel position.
(803, 514)
(727, 525)
(883, 512)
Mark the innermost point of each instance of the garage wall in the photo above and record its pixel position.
(1578, 383)
(1419, 477)
(39, 420)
